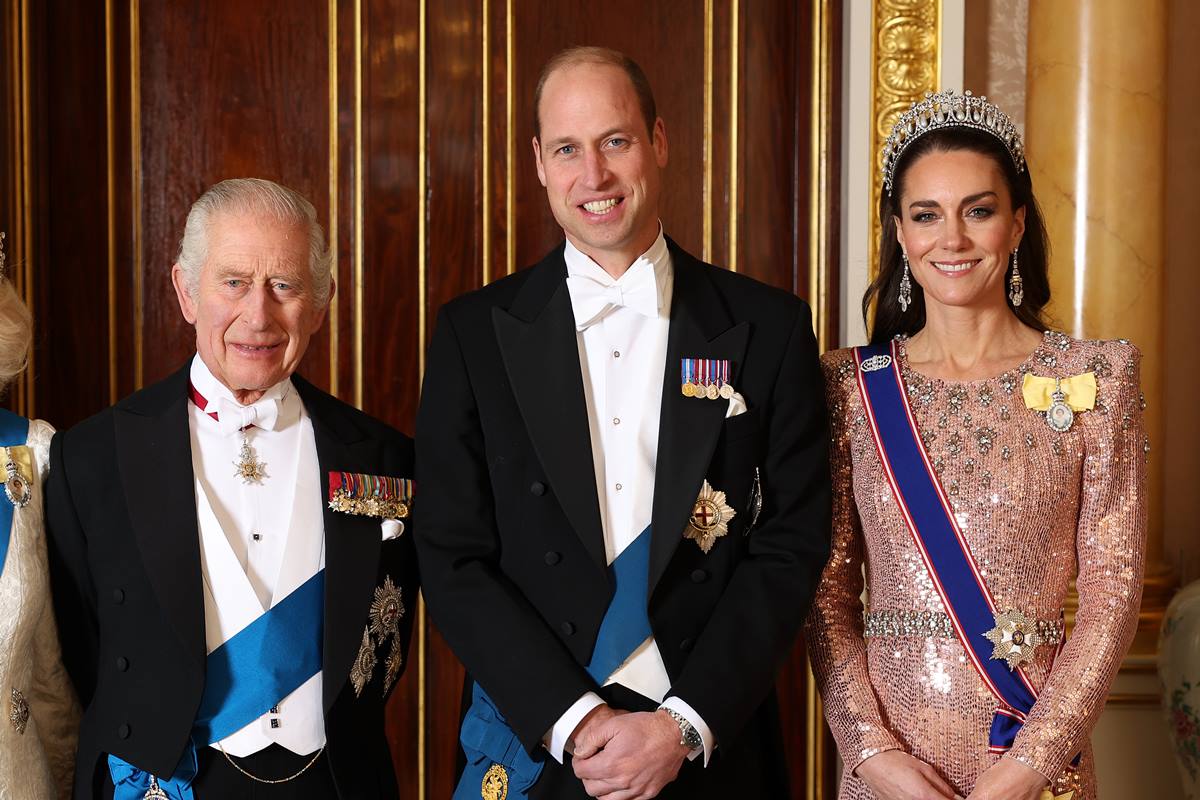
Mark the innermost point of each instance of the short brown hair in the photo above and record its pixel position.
(597, 55)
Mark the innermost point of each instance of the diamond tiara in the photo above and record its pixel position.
(949, 109)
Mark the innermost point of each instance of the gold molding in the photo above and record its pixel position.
(485, 83)
(25, 266)
(707, 123)
(905, 58)
(422, 267)
(510, 156)
(332, 70)
(110, 154)
(18, 242)
(816, 753)
(734, 77)
(359, 245)
(135, 174)
(1133, 699)
(820, 186)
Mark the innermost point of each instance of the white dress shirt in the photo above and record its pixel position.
(622, 353)
(258, 541)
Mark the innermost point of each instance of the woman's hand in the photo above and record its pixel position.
(895, 775)
(1009, 779)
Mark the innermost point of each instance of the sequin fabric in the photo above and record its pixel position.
(1037, 508)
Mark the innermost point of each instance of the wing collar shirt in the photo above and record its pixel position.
(259, 541)
(621, 330)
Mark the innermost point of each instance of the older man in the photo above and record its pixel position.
(625, 490)
(228, 547)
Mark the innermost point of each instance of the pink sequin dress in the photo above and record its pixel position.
(1038, 508)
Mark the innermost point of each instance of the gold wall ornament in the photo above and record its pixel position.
(905, 56)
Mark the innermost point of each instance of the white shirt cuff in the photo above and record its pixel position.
(680, 707)
(558, 735)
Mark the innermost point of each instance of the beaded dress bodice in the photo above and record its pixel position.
(1038, 508)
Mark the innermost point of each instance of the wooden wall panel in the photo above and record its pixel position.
(667, 40)
(70, 364)
(227, 89)
(408, 125)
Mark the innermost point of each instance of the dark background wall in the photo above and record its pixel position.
(407, 123)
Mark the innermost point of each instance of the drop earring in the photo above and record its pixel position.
(1016, 288)
(905, 285)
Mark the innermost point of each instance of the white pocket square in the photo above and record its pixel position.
(392, 528)
(737, 405)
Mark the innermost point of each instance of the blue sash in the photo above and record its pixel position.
(245, 677)
(487, 738)
(14, 432)
(935, 531)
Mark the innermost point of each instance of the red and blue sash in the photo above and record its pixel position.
(935, 531)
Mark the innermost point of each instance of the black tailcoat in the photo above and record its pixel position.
(125, 566)
(509, 528)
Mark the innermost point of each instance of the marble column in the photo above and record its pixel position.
(1095, 142)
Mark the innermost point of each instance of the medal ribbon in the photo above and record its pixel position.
(362, 486)
(487, 738)
(14, 432)
(244, 678)
(935, 531)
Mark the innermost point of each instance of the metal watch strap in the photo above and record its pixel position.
(689, 737)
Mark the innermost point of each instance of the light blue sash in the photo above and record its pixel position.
(14, 432)
(487, 738)
(244, 678)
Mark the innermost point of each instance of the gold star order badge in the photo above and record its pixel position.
(710, 518)
(387, 609)
(1014, 638)
(495, 783)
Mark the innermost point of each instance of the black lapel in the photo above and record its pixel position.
(538, 343)
(352, 542)
(701, 327)
(155, 463)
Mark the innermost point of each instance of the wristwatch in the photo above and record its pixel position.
(689, 737)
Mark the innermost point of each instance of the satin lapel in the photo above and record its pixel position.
(352, 543)
(701, 327)
(538, 343)
(155, 464)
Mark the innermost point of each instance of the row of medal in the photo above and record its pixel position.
(706, 378)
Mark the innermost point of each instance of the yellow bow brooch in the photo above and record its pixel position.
(1060, 398)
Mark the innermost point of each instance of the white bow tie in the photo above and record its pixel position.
(232, 416)
(592, 300)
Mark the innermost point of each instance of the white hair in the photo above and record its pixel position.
(16, 333)
(260, 197)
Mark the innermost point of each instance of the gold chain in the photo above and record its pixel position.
(264, 780)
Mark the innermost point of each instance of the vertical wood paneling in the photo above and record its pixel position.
(227, 89)
(69, 304)
(408, 125)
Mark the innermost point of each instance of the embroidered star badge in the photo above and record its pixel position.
(710, 518)
(1014, 638)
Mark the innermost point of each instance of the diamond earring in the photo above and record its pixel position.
(905, 285)
(1016, 288)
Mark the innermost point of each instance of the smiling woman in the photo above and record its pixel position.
(981, 463)
(937, 158)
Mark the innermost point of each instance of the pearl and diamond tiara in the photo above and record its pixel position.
(949, 109)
